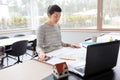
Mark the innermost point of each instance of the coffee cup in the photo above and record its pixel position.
(94, 39)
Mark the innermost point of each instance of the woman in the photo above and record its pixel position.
(49, 35)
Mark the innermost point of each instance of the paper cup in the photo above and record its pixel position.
(94, 39)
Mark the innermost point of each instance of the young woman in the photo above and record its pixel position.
(49, 35)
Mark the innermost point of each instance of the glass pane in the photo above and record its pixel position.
(75, 13)
(14, 14)
(111, 14)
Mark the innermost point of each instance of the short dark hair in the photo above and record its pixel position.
(53, 8)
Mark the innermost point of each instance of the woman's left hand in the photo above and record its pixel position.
(74, 46)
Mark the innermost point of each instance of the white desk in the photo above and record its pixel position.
(30, 70)
(9, 41)
(106, 37)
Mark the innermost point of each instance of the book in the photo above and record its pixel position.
(85, 44)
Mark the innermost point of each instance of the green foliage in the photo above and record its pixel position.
(19, 20)
(2, 21)
(72, 18)
(79, 18)
(13, 22)
(43, 19)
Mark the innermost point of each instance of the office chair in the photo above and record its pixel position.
(88, 39)
(4, 37)
(2, 55)
(18, 49)
(32, 47)
(19, 35)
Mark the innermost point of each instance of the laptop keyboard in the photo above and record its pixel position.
(80, 69)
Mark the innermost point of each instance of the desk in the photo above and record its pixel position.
(29, 70)
(106, 37)
(34, 70)
(9, 41)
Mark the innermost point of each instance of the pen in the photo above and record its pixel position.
(67, 59)
(47, 58)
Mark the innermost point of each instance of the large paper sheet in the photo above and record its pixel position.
(71, 56)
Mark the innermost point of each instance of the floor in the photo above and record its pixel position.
(25, 57)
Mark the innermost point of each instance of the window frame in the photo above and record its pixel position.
(99, 20)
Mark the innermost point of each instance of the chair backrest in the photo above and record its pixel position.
(2, 50)
(19, 48)
(34, 44)
(19, 35)
(4, 37)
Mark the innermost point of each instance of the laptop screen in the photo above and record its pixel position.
(101, 57)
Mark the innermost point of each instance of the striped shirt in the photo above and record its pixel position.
(48, 38)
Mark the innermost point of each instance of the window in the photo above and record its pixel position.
(14, 14)
(75, 13)
(111, 14)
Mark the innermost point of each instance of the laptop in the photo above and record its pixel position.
(99, 58)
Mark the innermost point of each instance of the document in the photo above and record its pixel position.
(72, 56)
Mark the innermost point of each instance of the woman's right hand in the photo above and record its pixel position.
(42, 56)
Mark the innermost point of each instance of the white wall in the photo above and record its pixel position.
(79, 36)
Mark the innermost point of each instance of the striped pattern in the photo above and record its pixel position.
(48, 38)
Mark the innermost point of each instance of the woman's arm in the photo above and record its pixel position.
(70, 45)
(40, 43)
